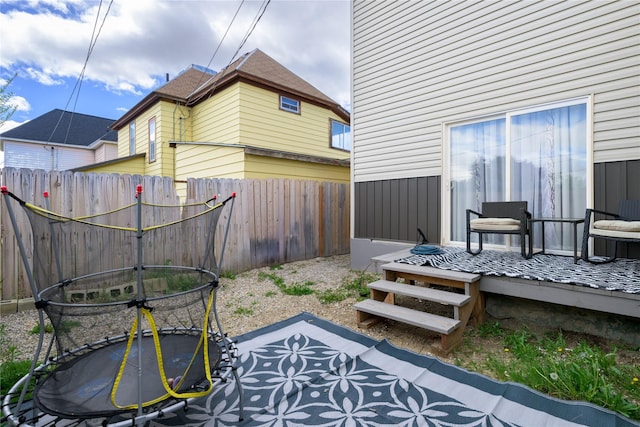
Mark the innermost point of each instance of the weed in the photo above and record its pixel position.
(11, 369)
(331, 296)
(181, 282)
(490, 329)
(350, 286)
(228, 275)
(10, 372)
(277, 280)
(298, 289)
(269, 294)
(242, 311)
(48, 329)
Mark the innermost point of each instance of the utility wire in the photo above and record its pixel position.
(78, 84)
(256, 19)
(218, 47)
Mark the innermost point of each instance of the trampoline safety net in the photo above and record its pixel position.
(131, 296)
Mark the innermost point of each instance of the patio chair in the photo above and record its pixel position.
(623, 226)
(501, 218)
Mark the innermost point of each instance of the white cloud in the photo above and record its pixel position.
(10, 124)
(44, 77)
(20, 103)
(142, 40)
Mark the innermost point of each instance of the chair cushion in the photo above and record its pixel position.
(617, 229)
(503, 224)
(617, 225)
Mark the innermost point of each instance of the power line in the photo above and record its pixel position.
(219, 44)
(79, 80)
(256, 19)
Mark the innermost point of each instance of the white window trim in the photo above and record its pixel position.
(153, 153)
(331, 122)
(289, 110)
(132, 147)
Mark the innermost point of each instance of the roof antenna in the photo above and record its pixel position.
(167, 77)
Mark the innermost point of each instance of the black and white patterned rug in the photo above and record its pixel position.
(307, 371)
(620, 275)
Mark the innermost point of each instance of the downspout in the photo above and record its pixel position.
(171, 144)
(174, 142)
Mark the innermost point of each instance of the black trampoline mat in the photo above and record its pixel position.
(82, 387)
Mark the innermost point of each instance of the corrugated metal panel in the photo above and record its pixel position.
(395, 209)
(420, 64)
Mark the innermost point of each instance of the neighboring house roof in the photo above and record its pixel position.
(194, 85)
(64, 127)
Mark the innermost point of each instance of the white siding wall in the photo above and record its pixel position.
(46, 157)
(418, 64)
(106, 151)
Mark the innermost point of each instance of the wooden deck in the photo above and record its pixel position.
(602, 300)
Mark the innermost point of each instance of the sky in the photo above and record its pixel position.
(132, 44)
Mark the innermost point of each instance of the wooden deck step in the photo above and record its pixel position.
(428, 294)
(432, 322)
(431, 272)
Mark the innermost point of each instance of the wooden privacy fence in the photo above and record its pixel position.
(274, 221)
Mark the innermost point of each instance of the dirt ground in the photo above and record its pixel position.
(251, 300)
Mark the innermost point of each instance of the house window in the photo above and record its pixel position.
(132, 138)
(340, 135)
(152, 140)
(538, 155)
(288, 104)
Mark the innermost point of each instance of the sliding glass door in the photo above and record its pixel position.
(538, 155)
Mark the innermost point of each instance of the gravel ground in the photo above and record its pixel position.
(251, 300)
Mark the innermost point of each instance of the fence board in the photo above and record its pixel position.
(274, 221)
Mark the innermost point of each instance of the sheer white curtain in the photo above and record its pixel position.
(549, 168)
(547, 149)
(478, 172)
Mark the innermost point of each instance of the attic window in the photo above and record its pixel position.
(290, 105)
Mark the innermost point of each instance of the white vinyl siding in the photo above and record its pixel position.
(47, 157)
(417, 65)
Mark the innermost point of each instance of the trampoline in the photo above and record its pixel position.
(133, 308)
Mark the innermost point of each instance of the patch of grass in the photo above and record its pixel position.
(11, 369)
(48, 329)
(585, 372)
(269, 294)
(332, 295)
(350, 287)
(67, 325)
(277, 280)
(491, 329)
(228, 275)
(298, 289)
(180, 282)
(243, 311)
(10, 372)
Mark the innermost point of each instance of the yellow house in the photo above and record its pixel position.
(254, 119)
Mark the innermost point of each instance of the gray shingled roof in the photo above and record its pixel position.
(194, 85)
(260, 67)
(84, 129)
